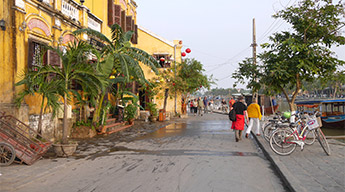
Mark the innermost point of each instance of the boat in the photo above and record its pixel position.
(333, 111)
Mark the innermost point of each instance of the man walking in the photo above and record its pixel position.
(205, 104)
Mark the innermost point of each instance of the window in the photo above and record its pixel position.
(36, 59)
(164, 60)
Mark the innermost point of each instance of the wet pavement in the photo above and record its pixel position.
(194, 154)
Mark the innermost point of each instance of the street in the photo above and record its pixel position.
(199, 154)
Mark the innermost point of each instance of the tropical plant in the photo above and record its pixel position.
(48, 90)
(75, 70)
(130, 112)
(152, 107)
(121, 61)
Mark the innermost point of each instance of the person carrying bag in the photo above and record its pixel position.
(240, 109)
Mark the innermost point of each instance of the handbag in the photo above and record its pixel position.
(232, 115)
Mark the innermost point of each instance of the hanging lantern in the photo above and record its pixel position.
(200, 86)
(183, 54)
(173, 84)
(162, 59)
(197, 89)
(112, 77)
(188, 50)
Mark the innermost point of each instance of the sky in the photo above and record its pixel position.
(219, 32)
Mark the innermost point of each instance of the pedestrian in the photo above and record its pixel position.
(205, 104)
(195, 106)
(191, 106)
(200, 106)
(231, 102)
(241, 115)
(254, 115)
(211, 105)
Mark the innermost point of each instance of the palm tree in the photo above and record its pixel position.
(75, 70)
(49, 90)
(119, 59)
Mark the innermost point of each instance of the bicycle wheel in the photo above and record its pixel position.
(323, 142)
(7, 154)
(267, 131)
(282, 141)
(310, 137)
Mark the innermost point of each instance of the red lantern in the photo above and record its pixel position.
(188, 50)
(183, 54)
(162, 59)
(173, 84)
(200, 86)
(197, 89)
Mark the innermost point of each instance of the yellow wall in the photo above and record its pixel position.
(41, 25)
(154, 44)
(40, 19)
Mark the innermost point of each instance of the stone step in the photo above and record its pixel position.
(110, 120)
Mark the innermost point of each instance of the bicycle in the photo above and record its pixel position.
(284, 141)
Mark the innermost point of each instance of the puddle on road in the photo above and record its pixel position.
(189, 129)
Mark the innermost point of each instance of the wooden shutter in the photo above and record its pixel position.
(123, 20)
(53, 58)
(30, 53)
(111, 19)
(128, 23)
(134, 39)
(117, 14)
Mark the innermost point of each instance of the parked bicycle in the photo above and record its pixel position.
(284, 141)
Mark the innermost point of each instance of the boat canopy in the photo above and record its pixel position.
(317, 102)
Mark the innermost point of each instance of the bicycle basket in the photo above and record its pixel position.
(313, 124)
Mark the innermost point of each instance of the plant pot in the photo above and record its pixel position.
(65, 150)
(153, 119)
(130, 121)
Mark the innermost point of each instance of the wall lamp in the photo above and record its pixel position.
(82, 1)
(23, 27)
(2, 24)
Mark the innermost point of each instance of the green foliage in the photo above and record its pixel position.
(130, 111)
(152, 107)
(301, 55)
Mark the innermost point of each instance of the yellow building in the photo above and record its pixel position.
(26, 26)
(160, 48)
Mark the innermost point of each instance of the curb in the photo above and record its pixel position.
(275, 166)
(280, 173)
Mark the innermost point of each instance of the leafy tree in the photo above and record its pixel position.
(190, 78)
(302, 54)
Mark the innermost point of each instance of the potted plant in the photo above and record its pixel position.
(130, 112)
(75, 69)
(152, 107)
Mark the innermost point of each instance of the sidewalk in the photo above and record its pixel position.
(310, 169)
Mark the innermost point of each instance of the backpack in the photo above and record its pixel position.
(232, 115)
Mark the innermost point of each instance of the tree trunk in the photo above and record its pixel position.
(166, 94)
(39, 128)
(65, 126)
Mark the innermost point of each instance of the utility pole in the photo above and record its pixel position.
(255, 94)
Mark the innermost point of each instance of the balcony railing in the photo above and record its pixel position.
(70, 10)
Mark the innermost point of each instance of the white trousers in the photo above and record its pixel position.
(254, 123)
